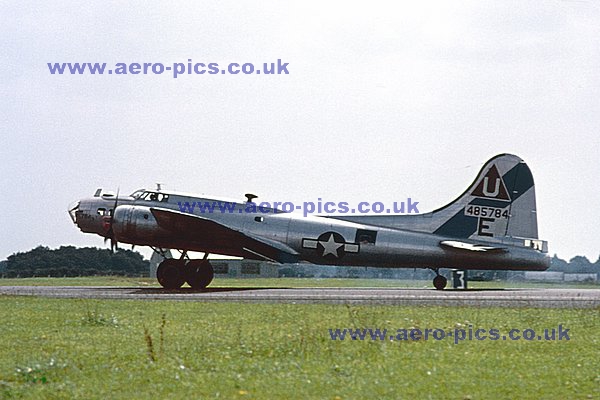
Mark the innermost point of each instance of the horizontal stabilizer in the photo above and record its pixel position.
(469, 246)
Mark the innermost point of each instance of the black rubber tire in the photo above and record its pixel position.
(440, 282)
(199, 274)
(170, 274)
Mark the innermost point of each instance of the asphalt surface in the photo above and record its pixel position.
(546, 298)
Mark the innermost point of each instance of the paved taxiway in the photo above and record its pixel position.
(549, 298)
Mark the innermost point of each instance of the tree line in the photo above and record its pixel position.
(89, 261)
(71, 261)
(577, 265)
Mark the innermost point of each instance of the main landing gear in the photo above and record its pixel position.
(439, 282)
(173, 273)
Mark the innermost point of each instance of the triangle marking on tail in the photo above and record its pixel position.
(492, 186)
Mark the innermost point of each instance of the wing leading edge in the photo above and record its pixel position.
(216, 235)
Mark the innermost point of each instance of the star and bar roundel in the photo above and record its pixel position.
(330, 246)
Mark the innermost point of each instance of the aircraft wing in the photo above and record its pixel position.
(199, 229)
(470, 246)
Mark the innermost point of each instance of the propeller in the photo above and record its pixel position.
(110, 234)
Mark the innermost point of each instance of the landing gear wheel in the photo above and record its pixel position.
(170, 274)
(199, 274)
(440, 282)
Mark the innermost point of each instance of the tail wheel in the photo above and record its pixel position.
(170, 273)
(199, 274)
(439, 282)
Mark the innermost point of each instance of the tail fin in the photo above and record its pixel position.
(499, 203)
(498, 206)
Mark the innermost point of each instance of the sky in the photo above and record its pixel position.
(382, 102)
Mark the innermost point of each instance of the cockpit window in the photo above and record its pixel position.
(101, 211)
(137, 193)
(154, 196)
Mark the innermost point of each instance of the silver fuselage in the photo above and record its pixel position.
(315, 239)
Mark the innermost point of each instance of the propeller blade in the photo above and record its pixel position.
(110, 234)
(116, 201)
(113, 245)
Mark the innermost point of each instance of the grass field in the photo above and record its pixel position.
(98, 349)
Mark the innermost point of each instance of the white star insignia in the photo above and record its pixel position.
(330, 246)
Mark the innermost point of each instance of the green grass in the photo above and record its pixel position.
(97, 349)
(80, 281)
(279, 282)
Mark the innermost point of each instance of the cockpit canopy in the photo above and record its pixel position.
(137, 193)
(150, 195)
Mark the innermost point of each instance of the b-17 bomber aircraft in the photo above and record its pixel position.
(492, 225)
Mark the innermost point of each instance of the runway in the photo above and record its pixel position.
(545, 298)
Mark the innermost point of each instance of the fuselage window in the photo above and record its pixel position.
(365, 236)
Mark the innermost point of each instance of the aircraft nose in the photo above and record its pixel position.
(73, 207)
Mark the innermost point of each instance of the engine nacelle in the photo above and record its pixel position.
(136, 224)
